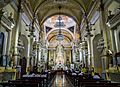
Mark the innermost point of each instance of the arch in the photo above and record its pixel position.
(96, 54)
(43, 3)
(45, 12)
(56, 35)
(61, 13)
(61, 29)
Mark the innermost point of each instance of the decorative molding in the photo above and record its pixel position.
(93, 9)
(95, 17)
(7, 23)
(114, 20)
(28, 12)
(14, 4)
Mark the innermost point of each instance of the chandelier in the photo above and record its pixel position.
(59, 25)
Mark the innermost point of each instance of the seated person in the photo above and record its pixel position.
(96, 76)
(81, 73)
(73, 73)
(89, 76)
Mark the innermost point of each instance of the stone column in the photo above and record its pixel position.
(31, 50)
(82, 53)
(47, 59)
(105, 37)
(28, 56)
(88, 35)
(4, 49)
(82, 57)
(8, 46)
(54, 57)
(37, 55)
(79, 55)
(113, 44)
(17, 28)
(89, 52)
(85, 58)
(73, 55)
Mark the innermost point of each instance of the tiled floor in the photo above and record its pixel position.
(61, 81)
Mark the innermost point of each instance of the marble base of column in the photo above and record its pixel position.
(104, 59)
(15, 60)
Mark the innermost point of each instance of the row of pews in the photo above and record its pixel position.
(84, 81)
(36, 80)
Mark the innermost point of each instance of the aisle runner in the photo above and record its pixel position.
(60, 81)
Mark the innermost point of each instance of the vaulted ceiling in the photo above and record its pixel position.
(72, 8)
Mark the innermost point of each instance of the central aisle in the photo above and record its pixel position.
(61, 81)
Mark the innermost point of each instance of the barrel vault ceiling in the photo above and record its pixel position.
(72, 8)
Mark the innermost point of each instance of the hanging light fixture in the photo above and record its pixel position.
(60, 24)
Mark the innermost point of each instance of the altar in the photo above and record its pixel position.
(59, 58)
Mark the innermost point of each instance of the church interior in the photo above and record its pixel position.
(59, 43)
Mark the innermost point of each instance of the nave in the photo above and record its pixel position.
(39, 38)
(61, 81)
(60, 78)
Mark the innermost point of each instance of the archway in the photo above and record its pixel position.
(54, 26)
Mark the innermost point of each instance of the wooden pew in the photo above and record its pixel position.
(89, 84)
(33, 81)
(92, 81)
(24, 83)
(4, 84)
